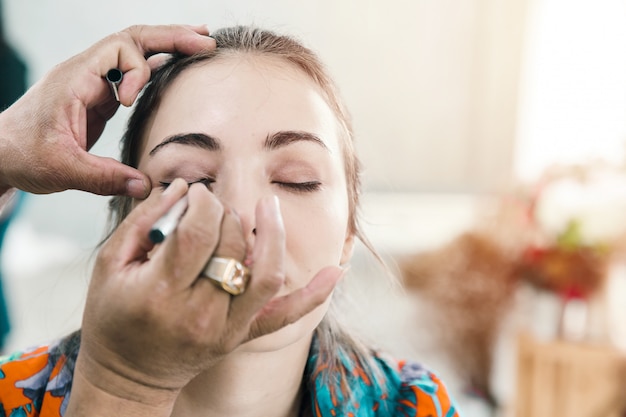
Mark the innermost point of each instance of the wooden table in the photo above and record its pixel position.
(558, 378)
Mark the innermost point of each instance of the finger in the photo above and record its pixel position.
(136, 74)
(208, 296)
(158, 60)
(186, 251)
(128, 50)
(130, 242)
(151, 40)
(97, 118)
(267, 263)
(185, 39)
(288, 309)
(106, 176)
(232, 243)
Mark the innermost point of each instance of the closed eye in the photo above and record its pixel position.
(301, 187)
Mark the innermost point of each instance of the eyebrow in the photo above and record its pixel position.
(272, 142)
(286, 137)
(199, 140)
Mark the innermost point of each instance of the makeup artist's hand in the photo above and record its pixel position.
(151, 325)
(45, 136)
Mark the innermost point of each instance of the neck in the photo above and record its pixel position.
(248, 384)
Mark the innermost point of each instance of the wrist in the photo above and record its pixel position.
(98, 391)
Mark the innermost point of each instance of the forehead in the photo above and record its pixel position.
(243, 96)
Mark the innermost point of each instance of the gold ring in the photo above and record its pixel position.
(229, 273)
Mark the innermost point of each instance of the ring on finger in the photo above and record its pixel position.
(230, 274)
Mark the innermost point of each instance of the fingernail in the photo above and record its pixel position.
(137, 188)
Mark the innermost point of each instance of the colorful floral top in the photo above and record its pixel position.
(38, 383)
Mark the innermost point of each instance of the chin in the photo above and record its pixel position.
(298, 332)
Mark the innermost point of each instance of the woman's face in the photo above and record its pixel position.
(260, 128)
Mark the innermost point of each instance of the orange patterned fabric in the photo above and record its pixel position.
(37, 383)
(34, 383)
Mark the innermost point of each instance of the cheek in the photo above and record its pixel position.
(315, 237)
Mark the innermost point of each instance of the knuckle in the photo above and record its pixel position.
(105, 255)
(120, 38)
(146, 72)
(272, 282)
(196, 329)
(200, 236)
(133, 31)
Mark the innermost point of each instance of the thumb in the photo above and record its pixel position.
(287, 309)
(107, 176)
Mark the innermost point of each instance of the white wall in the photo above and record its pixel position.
(424, 80)
(573, 101)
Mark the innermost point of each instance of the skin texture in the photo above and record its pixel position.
(265, 182)
(240, 102)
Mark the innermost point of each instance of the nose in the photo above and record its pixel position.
(241, 197)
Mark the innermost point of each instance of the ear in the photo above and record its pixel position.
(348, 248)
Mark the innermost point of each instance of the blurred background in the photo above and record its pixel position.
(493, 136)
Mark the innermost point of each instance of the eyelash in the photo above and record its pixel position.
(300, 187)
(206, 181)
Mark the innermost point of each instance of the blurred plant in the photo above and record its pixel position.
(558, 234)
(566, 266)
(578, 215)
(467, 286)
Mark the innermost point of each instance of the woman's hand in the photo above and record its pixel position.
(151, 325)
(45, 136)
